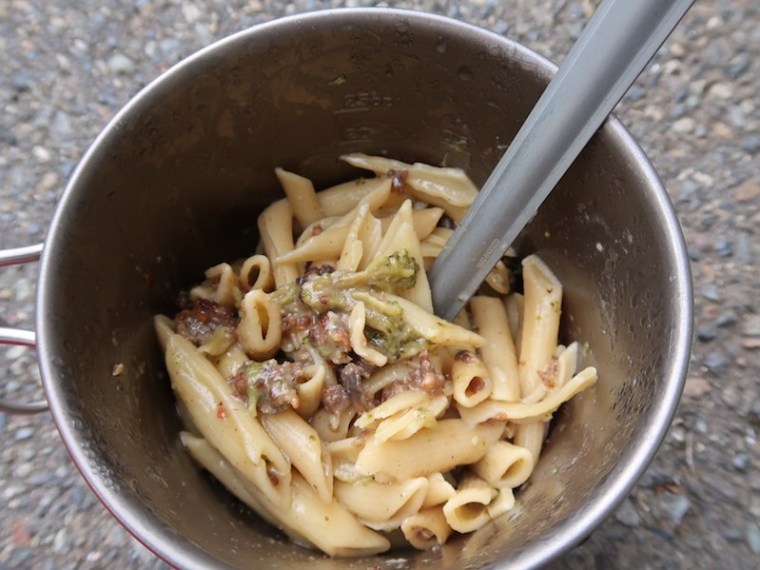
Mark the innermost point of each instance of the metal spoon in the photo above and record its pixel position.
(617, 43)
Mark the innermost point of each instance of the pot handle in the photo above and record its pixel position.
(20, 337)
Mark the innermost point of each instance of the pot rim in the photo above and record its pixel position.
(178, 551)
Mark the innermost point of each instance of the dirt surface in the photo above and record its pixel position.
(66, 68)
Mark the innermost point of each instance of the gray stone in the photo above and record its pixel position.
(716, 362)
(120, 64)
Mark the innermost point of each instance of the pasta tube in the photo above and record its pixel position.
(276, 231)
(498, 352)
(453, 442)
(382, 506)
(426, 529)
(225, 422)
(260, 329)
(301, 197)
(301, 444)
(467, 510)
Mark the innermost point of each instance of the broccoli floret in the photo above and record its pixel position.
(386, 329)
(395, 271)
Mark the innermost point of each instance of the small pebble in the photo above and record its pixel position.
(627, 514)
(120, 64)
(740, 462)
(676, 506)
(724, 248)
(23, 433)
(711, 292)
(707, 332)
(727, 318)
(716, 362)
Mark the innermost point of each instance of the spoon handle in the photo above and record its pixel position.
(617, 43)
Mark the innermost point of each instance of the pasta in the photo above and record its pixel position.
(315, 382)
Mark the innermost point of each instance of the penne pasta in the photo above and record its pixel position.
(504, 465)
(439, 490)
(301, 444)
(467, 510)
(276, 231)
(256, 273)
(382, 506)
(260, 328)
(301, 197)
(453, 442)
(498, 352)
(472, 384)
(426, 529)
(314, 381)
(225, 422)
(221, 286)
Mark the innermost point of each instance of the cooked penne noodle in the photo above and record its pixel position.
(221, 286)
(424, 221)
(540, 325)
(359, 341)
(502, 503)
(504, 465)
(310, 391)
(526, 413)
(382, 506)
(471, 382)
(342, 198)
(314, 381)
(301, 196)
(328, 243)
(353, 248)
(301, 444)
(224, 420)
(344, 453)
(498, 352)
(338, 534)
(439, 490)
(332, 427)
(260, 328)
(542, 411)
(231, 361)
(451, 443)
(392, 406)
(405, 424)
(387, 375)
(467, 510)
(256, 273)
(276, 231)
(498, 278)
(448, 188)
(514, 303)
(426, 529)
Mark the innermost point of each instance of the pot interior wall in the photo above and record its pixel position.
(175, 186)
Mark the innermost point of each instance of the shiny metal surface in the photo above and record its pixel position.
(18, 337)
(174, 185)
(615, 46)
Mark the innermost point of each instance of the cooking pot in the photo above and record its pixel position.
(174, 184)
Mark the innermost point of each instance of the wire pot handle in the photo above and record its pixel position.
(19, 337)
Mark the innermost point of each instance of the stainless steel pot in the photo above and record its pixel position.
(175, 182)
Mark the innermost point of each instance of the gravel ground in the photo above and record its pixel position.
(67, 66)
